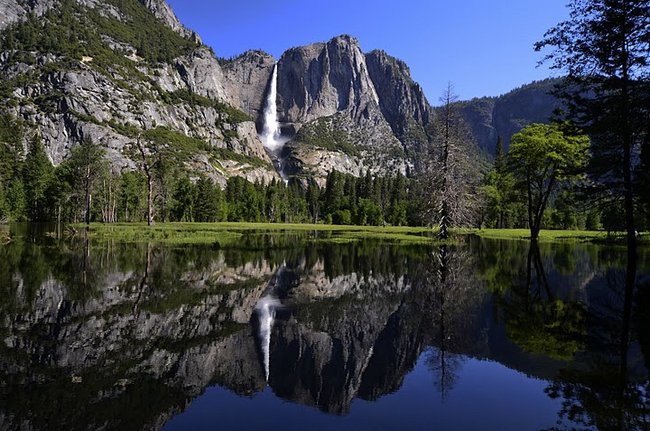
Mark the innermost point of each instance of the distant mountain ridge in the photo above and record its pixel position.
(503, 116)
(115, 69)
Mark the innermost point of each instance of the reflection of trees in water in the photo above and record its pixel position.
(537, 316)
(611, 393)
(445, 367)
(454, 295)
(575, 304)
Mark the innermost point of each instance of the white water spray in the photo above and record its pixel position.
(271, 135)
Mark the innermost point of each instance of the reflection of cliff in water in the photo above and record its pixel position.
(151, 327)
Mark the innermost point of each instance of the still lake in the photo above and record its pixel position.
(294, 330)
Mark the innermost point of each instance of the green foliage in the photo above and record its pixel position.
(86, 163)
(555, 329)
(233, 115)
(548, 151)
(543, 158)
(37, 174)
(227, 154)
(503, 207)
(604, 49)
(326, 133)
(73, 30)
(11, 147)
(132, 196)
(342, 217)
(16, 200)
(209, 202)
(182, 146)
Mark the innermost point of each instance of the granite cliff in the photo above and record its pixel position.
(115, 70)
(503, 116)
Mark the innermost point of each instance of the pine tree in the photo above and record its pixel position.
(208, 200)
(313, 200)
(85, 160)
(37, 172)
(604, 49)
(183, 199)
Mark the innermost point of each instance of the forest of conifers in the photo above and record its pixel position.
(35, 190)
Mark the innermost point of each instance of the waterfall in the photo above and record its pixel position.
(271, 135)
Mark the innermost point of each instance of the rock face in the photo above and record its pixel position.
(166, 15)
(339, 108)
(112, 100)
(491, 117)
(322, 79)
(12, 11)
(402, 100)
(325, 90)
(247, 79)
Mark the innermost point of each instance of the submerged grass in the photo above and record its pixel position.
(226, 234)
(556, 235)
(231, 233)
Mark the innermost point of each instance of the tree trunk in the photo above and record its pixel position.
(534, 232)
(627, 173)
(149, 200)
(88, 199)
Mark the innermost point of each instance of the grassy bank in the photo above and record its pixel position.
(557, 235)
(227, 233)
(230, 233)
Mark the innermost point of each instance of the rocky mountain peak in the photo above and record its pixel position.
(247, 77)
(166, 15)
(321, 79)
(402, 100)
(12, 11)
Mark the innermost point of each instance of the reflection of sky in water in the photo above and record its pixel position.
(357, 322)
(486, 396)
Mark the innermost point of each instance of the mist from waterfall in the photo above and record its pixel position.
(271, 135)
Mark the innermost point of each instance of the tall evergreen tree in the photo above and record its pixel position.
(184, 198)
(85, 160)
(604, 49)
(37, 173)
(313, 200)
(208, 200)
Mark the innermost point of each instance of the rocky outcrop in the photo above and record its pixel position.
(322, 79)
(402, 100)
(326, 92)
(247, 78)
(12, 11)
(491, 117)
(166, 15)
(186, 101)
(200, 73)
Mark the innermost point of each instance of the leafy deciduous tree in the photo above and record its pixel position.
(604, 49)
(542, 158)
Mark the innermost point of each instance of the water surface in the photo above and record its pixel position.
(289, 331)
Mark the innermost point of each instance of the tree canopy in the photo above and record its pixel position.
(542, 158)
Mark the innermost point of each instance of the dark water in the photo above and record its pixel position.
(284, 332)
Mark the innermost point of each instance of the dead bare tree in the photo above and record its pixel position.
(147, 167)
(452, 171)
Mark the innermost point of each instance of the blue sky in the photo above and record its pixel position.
(485, 48)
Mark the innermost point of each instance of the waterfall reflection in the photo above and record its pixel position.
(320, 323)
